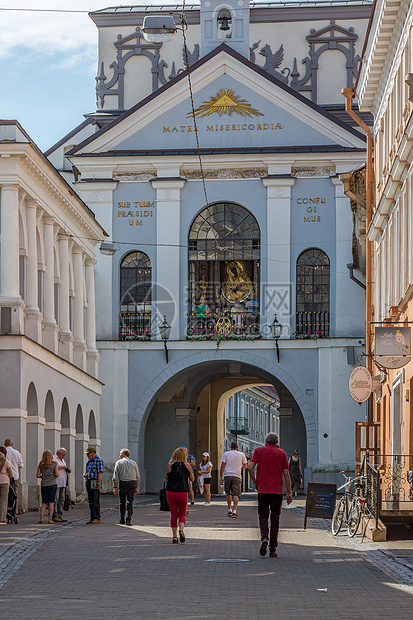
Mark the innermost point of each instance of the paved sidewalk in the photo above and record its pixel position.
(108, 569)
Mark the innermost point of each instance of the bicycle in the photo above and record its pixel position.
(349, 509)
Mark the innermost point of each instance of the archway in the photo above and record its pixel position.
(191, 402)
(35, 433)
(51, 432)
(80, 447)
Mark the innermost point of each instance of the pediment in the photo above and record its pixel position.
(236, 104)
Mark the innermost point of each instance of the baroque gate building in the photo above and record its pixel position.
(213, 163)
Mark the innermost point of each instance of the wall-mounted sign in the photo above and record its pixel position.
(392, 348)
(360, 384)
(135, 212)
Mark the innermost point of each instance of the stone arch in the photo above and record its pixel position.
(32, 404)
(142, 411)
(52, 429)
(49, 408)
(34, 442)
(80, 447)
(92, 427)
(65, 414)
(79, 420)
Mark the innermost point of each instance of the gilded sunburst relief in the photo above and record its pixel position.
(225, 102)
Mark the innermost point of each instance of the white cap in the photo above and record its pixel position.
(205, 454)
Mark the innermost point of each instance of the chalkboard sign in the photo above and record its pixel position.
(320, 501)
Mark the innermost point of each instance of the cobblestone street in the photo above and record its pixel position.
(76, 570)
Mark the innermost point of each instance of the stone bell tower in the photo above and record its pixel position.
(225, 21)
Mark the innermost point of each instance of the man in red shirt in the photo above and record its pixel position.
(272, 465)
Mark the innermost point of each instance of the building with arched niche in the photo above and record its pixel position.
(222, 199)
(49, 390)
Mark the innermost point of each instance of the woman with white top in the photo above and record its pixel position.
(5, 475)
(205, 468)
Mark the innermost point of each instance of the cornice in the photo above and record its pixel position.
(45, 182)
(385, 45)
(221, 61)
(29, 161)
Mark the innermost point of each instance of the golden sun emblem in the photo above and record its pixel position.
(223, 325)
(225, 102)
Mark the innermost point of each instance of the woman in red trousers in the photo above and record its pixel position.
(178, 473)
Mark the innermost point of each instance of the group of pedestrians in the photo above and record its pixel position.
(269, 470)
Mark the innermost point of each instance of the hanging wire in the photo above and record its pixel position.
(184, 29)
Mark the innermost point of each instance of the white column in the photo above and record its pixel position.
(11, 304)
(168, 284)
(50, 328)
(79, 354)
(92, 355)
(65, 335)
(32, 313)
(99, 197)
(276, 290)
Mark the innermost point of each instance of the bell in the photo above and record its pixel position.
(224, 24)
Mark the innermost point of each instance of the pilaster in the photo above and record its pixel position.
(276, 291)
(99, 196)
(11, 304)
(79, 344)
(65, 335)
(92, 355)
(168, 285)
(32, 314)
(50, 328)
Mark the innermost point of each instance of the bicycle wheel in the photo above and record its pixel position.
(354, 518)
(337, 521)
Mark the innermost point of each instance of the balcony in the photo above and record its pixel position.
(312, 325)
(135, 326)
(225, 326)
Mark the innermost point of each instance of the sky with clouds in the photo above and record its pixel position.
(48, 64)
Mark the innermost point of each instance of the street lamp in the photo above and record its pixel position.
(165, 330)
(276, 329)
(158, 28)
(108, 249)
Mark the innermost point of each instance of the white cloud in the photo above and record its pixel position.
(45, 33)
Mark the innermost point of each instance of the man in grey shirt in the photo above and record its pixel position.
(125, 484)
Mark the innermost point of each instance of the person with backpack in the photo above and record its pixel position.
(178, 474)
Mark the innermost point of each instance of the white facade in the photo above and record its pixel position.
(138, 169)
(49, 390)
(385, 88)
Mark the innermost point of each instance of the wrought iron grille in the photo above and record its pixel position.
(135, 326)
(372, 491)
(235, 324)
(396, 493)
(313, 323)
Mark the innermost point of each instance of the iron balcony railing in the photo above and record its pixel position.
(388, 482)
(237, 324)
(313, 324)
(135, 326)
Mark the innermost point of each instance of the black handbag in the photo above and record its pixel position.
(66, 503)
(162, 500)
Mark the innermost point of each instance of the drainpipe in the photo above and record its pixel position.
(350, 267)
(349, 93)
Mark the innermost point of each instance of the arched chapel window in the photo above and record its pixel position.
(313, 293)
(135, 297)
(224, 271)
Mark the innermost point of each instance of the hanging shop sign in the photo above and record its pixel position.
(360, 384)
(392, 348)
